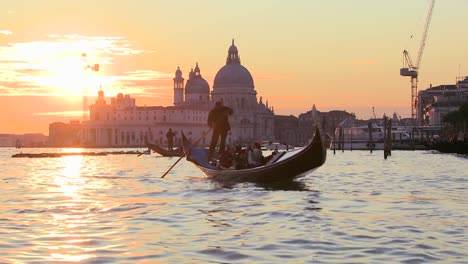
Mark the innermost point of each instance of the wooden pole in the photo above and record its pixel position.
(390, 143)
(370, 136)
(385, 138)
(342, 139)
(334, 142)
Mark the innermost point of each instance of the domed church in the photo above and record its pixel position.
(122, 123)
(234, 85)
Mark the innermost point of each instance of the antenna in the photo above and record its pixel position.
(94, 67)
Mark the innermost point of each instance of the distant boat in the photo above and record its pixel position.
(284, 166)
(18, 144)
(359, 137)
(177, 152)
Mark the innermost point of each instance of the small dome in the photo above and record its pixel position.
(197, 84)
(178, 72)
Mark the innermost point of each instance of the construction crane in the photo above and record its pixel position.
(411, 70)
(94, 67)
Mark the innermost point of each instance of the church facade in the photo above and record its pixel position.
(124, 124)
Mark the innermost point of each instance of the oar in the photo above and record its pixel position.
(186, 152)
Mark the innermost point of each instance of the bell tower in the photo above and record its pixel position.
(178, 87)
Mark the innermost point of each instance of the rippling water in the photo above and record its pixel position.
(358, 207)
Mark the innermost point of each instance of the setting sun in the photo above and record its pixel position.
(62, 67)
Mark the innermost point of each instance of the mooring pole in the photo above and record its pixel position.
(370, 136)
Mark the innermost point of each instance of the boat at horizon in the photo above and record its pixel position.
(366, 137)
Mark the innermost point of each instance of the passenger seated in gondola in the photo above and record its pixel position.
(241, 158)
(227, 160)
(255, 156)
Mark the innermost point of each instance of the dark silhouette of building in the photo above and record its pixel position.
(64, 135)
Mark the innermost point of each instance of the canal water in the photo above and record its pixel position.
(356, 208)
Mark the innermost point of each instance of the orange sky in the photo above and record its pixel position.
(343, 55)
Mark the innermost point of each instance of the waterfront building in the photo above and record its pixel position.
(64, 135)
(7, 140)
(23, 140)
(297, 130)
(124, 124)
(436, 102)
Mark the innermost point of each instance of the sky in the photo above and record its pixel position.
(334, 54)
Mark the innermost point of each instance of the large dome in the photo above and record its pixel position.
(233, 74)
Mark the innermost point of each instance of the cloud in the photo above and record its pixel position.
(63, 114)
(54, 66)
(145, 82)
(5, 32)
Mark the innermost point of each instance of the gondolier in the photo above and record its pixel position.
(170, 139)
(218, 120)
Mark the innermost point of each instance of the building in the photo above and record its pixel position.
(297, 131)
(287, 130)
(124, 124)
(7, 140)
(64, 135)
(24, 140)
(436, 102)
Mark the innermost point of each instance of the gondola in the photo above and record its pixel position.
(458, 147)
(284, 166)
(165, 152)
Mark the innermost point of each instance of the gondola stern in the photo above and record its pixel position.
(317, 139)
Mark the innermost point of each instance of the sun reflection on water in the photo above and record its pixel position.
(72, 150)
(70, 181)
(71, 213)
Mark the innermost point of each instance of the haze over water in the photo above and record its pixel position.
(356, 208)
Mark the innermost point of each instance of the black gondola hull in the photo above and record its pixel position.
(293, 164)
(164, 152)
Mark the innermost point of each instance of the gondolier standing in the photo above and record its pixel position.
(170, 141)
(218, 120)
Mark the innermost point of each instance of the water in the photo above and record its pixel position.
(357, 208)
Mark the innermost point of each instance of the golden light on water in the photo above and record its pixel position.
(71, 214)
(70, 182)
(72, 150)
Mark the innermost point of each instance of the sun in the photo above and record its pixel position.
(62, 67)
(69, 76)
